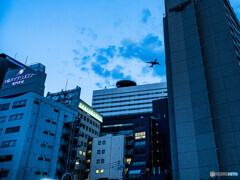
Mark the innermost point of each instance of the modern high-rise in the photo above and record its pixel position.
(119, 106)
(202, 48)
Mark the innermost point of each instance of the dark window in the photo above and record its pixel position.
(90, 121)
(90, 129)
(45, 132)
(102, 161)
(87, 120)
(50, 147)
(54, 123)
(8, 143)
(104, 142)
(12, 129)
(18, 104)
(98, 151)
(86, 127)
(37, 172)
(6, 158)
(98, 161)
(43, 145)
(44, 173)
(48, 120)
(85, 144)
(55, 110)
(36, 102)
(99, 142)
(51, 134)
(1, 130)
(3, 119)
(4, 173)
(4, 107)
(93, 131)
(40, 158)
(47, 159)
(15, 117)
(103, 151)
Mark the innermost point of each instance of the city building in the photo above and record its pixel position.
(31, 126)
(124, 106)
(127, 98)
(43, 137)
(151, 145)
(107, 159)
(119, 106)
(89, 127)
(202, 49)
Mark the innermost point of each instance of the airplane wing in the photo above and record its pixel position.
(155, 60)
(148, 62)
(151, 65)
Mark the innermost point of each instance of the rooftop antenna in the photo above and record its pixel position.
(66, 85)
(15, 55)
(26, 60)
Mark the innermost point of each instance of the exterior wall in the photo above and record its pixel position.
(128, 100)
(203, 78)
(35, 154)
(112, 167)
(89, 128)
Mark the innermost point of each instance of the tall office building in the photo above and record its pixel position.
(202, 46)
(127, 98)
(119, 106)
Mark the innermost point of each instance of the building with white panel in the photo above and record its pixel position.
(128, 98)
(107, 160)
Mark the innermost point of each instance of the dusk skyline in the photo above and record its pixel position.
(93, 44)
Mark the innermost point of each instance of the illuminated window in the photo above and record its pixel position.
(97, 171)
(128, 160)
(77, 162)
(84, 153)
(80, 152)
(140, 135)
(102, 170)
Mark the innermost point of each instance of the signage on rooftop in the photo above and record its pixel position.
(88, 109)
(19, 79)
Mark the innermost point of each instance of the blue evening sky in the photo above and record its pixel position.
(92, 43)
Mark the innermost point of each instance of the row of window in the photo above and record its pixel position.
(6, 158)
(83, 144)
(10, 130)
(46, 145)
(80, 162)
(102, 142)
(51, 121)
(98, 161)
(10, 143)
(141, 163)
(87, 136)
(16, 104)
(39, 173)
(150, 107)
(128, 100)
(83, 153)
(95, 98)
(89, 121)
(89, 129)
(101, 171)
(117, 125)
(13, 117)
(140, 135)
(47, 132)
(140, 143)
(42, 159)
(99, 151)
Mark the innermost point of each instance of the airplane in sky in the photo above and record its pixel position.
(153, 63)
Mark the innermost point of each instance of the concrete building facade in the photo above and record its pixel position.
(107, 159)
(203, 79)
